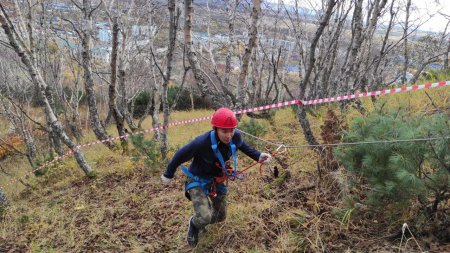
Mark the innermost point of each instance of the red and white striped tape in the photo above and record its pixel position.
(71, 152)
(46, 164)
(267, 107)
(260, 108)
(376, 93)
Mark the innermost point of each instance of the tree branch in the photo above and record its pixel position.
(26, 115)
(11, 146)
(157, 65)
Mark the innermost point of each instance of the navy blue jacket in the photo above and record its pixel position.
(204, 161)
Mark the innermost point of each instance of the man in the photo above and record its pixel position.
(210, 169)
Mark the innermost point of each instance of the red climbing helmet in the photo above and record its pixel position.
(224, 118)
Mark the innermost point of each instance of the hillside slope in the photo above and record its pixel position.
(125, 208)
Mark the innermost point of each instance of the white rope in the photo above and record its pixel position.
(347, 143)
(404, 227)
(256, 137)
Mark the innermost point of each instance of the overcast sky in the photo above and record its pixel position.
(428, 7)
(423, 10)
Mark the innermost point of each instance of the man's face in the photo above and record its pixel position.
(225, 135)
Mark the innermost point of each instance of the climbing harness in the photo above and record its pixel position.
(211, 186)
(219, 156)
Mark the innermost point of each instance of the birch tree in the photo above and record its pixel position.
(304, 122)
(85, 33)
(16, 111)
(216, 97)
(241, 101)
(25, 50)
(174, 14)
(405, 41)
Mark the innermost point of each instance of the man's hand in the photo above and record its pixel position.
(265, 158)
(165, 179)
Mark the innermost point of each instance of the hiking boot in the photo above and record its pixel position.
(192, 236)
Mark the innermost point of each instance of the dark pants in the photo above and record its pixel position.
(207, 210)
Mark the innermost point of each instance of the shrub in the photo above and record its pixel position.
(47, 158)
(184, 100)
(140, 104)
(147, 148)
(253, 127)
(399, 173)
(173, 93)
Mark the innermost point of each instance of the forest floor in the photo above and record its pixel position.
(125, 207)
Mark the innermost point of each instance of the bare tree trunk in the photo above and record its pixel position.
(405, 42)
(312, 49)
(55, 142)
(255, 90)
(86, 33)
(350, 65)
(31, 148)
(118, 118)
(306, 127)
(50, 77)
(129, 117)
(257, 75)
(173, 15)
(156, 99)
(152, 85)
(217, 99)
(73, 101)
(376, 75)
(329, 63)
(148, 107)
(122, 83)
(241, 102)
(422, 67)
(125, 103)
(304, 122)
(191, 97)
(17, 120)
(231, 12)
(76, 122)
(447, 55)
(29, 61)
(363, 76)
(155, 113)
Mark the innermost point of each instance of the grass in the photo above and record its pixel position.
(126, 208)
(4, 125)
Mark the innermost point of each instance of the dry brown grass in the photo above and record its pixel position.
(126, 208)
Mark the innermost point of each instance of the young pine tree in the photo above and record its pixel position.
(399, 174)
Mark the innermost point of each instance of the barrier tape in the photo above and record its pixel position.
(259, 108)
(46, 164)
(267, 107)
(376, 93)
(71, 152)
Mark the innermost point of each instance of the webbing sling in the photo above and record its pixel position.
(205, 183)
(219, 156)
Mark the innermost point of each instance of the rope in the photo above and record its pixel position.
(369, 142)
(347, 143)
(256, 137)
(278, 150)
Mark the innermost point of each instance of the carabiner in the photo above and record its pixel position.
(278, 149)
